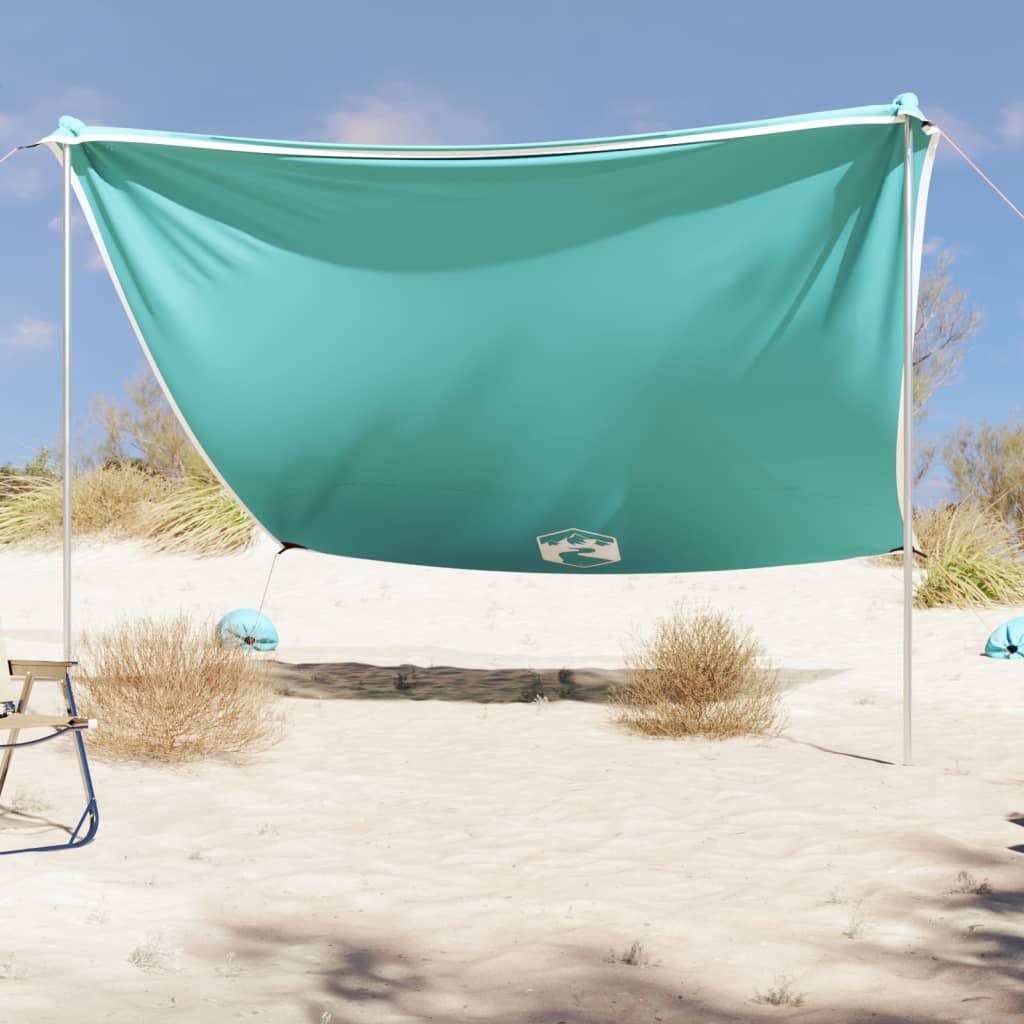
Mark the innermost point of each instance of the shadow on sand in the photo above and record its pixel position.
(354, 982)
(354, 680)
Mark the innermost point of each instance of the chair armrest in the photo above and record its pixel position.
(18, 720)
(40, 669)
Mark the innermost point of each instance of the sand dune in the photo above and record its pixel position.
(450, 853)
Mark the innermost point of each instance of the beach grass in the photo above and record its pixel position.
(199, 518)
(122, 500)
(109, 500)
(972, 558)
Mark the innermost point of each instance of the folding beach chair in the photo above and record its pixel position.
(15, 718)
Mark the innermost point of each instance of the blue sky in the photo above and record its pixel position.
(475, 71)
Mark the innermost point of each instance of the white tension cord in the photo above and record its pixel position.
(981, 174)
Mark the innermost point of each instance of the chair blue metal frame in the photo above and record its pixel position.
(16, 717)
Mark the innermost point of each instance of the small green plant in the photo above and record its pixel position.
(967, 885)
(230, 968)
(835, 897)
(634, 955)
(28, 802)
(855, 928)
(10, 970)
(781, 993)
(152, 956)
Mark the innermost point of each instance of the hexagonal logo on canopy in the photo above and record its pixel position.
(579, 549)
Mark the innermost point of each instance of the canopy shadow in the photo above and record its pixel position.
(349, 680)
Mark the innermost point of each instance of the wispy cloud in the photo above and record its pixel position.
(639, 118)
(972, 139)
(936, 246)
(57, 223)
(1006, 134)
(93, 260)
(401, 113)
(25, 175)
(29, 335)
(1011, 127)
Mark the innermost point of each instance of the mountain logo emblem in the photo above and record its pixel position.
(579, 549)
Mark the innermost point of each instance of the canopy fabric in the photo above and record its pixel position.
(657, 353)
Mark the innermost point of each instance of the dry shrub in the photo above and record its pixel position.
(199, 517)
(698, 675)
(110, 500)
(168, 691)
(972, 557)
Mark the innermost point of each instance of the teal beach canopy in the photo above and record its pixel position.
(649, 354)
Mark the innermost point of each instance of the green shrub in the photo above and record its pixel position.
(972, 557)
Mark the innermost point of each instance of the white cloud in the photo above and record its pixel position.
(1008, 132)
(1011, 128)
(964, 133)
(27, 174)
(400, 113)
(29, 335)
(640, 118)
(93, 260)
(57, 223)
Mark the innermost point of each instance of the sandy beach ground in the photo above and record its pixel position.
(450, 853)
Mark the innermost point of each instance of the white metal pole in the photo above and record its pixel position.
(66, 590)
(908, 419)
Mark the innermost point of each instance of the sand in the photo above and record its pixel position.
(447, 852)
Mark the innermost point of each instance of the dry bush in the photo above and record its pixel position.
(698, 675)
(200, 518)
(168, 691)
(110, 500)
(972, 557)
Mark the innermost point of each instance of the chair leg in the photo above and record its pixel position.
(91, 811)
(90, 816)
(5, 764)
